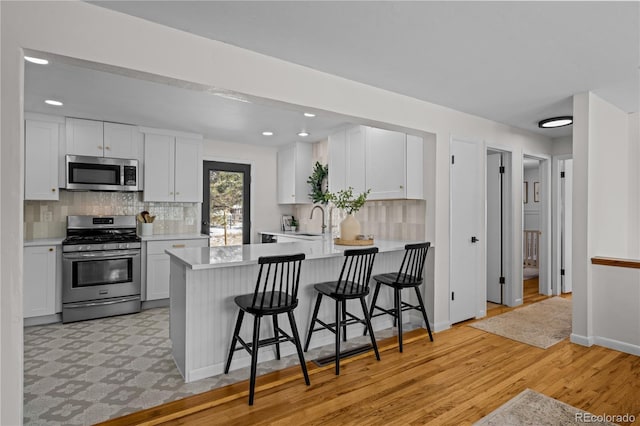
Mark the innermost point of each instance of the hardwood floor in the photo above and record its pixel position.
(457, 379)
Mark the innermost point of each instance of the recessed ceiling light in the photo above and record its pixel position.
(53, 102)
(550, 123)
(267, 133)
(308, 114)
(303, 134)
(36, 60)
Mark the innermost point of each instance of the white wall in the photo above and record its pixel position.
(84, 31)
(263, 185)
(604, 183)
(562, 145)
(634, 188)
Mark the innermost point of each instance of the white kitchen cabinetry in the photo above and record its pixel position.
(347, 160)
(157, 282)
(102, 139)
(173, 168)
(294, 168)
(40, 275)
(387, 162)
(41, 160)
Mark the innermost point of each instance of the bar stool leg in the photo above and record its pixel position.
(276, 335)
(395, 304)
(367, 320)
(313, 321)
(344, 321)
(296, 341)
(234, 340)
(424, 313)
(337, 337)
(254, 357)
(398, 300)
(373, 303)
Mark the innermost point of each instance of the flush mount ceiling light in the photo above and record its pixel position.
(551, 123)
(303, 134)
(267, 133)
(53, 102)
(308, 114)
(36, 60)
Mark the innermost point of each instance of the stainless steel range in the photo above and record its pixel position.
(101, 267)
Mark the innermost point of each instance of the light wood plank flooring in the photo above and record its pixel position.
(458, 379)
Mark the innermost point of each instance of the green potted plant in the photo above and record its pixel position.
(346, 201)
(294, 224)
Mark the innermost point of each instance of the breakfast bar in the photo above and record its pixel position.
(204, 282)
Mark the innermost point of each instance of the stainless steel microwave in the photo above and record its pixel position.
(101, 174)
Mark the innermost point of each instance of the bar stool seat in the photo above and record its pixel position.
(410, 275)
(276, 292)
(352, 283)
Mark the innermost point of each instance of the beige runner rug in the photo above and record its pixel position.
(542, 324)
(533, 408)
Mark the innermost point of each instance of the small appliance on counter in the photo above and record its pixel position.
(100, 267)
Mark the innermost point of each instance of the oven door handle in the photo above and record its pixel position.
(101, 254)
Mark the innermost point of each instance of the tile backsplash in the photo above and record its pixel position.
(388, 219)
(48, 219)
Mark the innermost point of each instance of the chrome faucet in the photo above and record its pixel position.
(324, 227)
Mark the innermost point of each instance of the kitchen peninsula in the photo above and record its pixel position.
(204, 282)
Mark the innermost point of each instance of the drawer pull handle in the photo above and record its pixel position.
(179, 246)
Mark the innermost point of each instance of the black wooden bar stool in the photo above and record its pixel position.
(410, 275)
(276, 292)
(353, 283)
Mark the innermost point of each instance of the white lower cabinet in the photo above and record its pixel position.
(157, 279)
(40, 280)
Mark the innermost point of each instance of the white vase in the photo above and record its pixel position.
(349, 228)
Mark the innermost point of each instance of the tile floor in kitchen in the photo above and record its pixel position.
(86, 372)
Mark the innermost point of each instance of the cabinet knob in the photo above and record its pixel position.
(100, 147)
(171, 193)
(53, 190)
(50, 248)
(177, 193)
(401, 186)
(107, 147)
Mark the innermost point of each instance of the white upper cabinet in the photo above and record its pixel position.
(294, 168)
(173, 168)
(102, 139)
(347, 160)
(387, 162)
(41, 160)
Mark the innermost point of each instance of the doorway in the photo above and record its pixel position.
(226, 209)
(566, 211)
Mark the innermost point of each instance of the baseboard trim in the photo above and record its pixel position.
(617, 345)
(581, 340)
(42, 320)
(441, 326)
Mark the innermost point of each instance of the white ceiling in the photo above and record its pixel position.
(511, 62)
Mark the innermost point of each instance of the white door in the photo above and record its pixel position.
(567, 211)
(41, 161)
(385, 156)
(159, 167)
(466, 225)
(120, 141)
(188, 170)
(85, 137)
(494, 225)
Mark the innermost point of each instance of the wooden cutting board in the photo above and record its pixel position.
(342, 242)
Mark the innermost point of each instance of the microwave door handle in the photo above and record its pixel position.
(101, 254)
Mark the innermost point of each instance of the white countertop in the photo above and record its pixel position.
(165, 237)
(44, 242)
(219, 257)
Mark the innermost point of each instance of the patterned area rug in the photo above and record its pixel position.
(535, 409)
(87, 372)
(541, 324)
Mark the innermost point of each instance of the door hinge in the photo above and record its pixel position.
(501, 170)
(453, 295)
(561, 174)
(561, 271)
(502, 280)
(453, 159)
